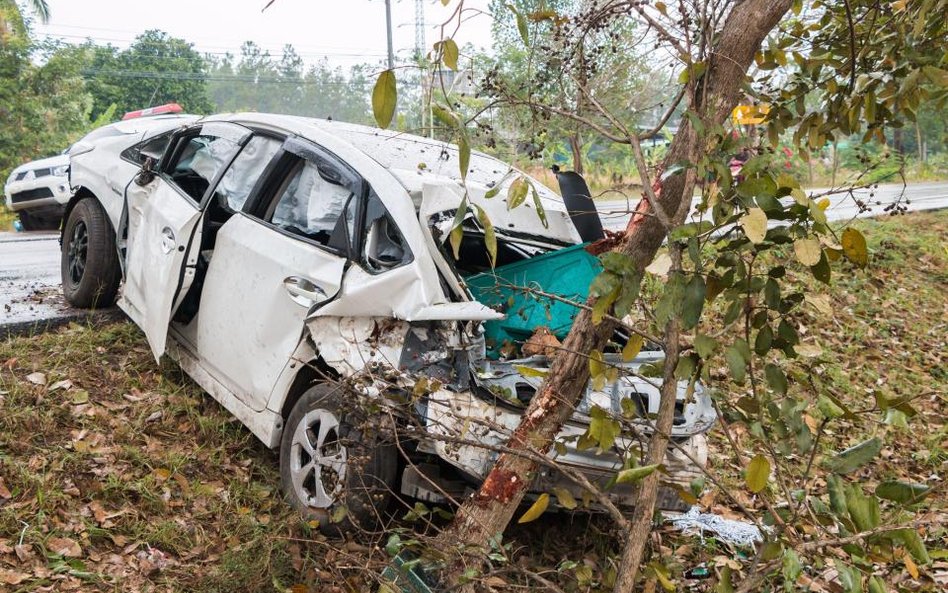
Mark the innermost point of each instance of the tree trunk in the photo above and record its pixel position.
(576, 147)
(648, 489)
(486, 514)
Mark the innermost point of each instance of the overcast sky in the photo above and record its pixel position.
(345, 31)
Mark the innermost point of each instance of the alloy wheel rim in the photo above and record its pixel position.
(317, 459)
(78, 250)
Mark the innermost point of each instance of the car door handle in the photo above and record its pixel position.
(304, 292)
(167, 240)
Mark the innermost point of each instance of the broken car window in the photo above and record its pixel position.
(385, 247)
(312, 201)
(152, 148)
(242, 175)
(197, 162)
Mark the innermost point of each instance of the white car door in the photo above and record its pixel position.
(274, 264)
(163, 234)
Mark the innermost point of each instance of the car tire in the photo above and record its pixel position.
(89, 265)
(335, 467)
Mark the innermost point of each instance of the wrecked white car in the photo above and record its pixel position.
(300, 271)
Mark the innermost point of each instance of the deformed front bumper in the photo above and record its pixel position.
(469, 431)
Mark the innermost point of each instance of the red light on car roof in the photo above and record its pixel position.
(159, 110)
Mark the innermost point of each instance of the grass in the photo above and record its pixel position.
(119, 474)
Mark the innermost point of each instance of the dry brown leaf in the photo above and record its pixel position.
(98, 512)
(4, 491)
(23, 552)
(64, 547)
(910, 566)
(37, 378)
(12, 577)
(541, 342)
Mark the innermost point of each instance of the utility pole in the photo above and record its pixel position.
(419, 30)
(388, 24)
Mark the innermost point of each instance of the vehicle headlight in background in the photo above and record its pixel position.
(60, 171)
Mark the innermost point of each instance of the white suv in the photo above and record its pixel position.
(38, 192)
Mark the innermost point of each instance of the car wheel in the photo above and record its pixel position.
(89, 265)
(335, 467)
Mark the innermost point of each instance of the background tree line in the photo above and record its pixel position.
(53, 92)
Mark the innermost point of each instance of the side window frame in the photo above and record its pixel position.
(133, 154)
(209, 195)
(297, 152)
(178, 141)
(373, 201)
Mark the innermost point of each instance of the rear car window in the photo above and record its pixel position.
(312, 201)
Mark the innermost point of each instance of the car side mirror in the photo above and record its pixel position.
(147, 174)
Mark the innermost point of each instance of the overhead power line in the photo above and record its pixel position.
(154, 75)
(219, 51)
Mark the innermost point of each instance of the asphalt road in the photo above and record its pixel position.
(30, 295)
(31, 299)
(914, 197)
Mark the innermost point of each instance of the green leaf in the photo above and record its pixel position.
(632, 347)
(393, 545)
(669, 305)
(765, 337)
(913, 543)
(902, 492)
(517, 193)
(541, 212)
(776, 379)
(457, 231)
(464, 154)
(863, 510)
(490, 237)
(603, 304)
(816, 212)
(384, 98)
(772, 294)
(829, 408)
(792, 568)
(851, 459)
(754, 224)
(338, 514)
(854, 247)
(837, 495)
(693, 302)
(521, 25)
(603, 428)
(565, 498)
(808, 251)
(635, 474)
(530, 371)
(757, 186)
(737, 363)
(758, 473)
(597, 370)
(537, 509)
(822, 271)
(849, 577)
(705, 346)
(450, 54)
(877, 585)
